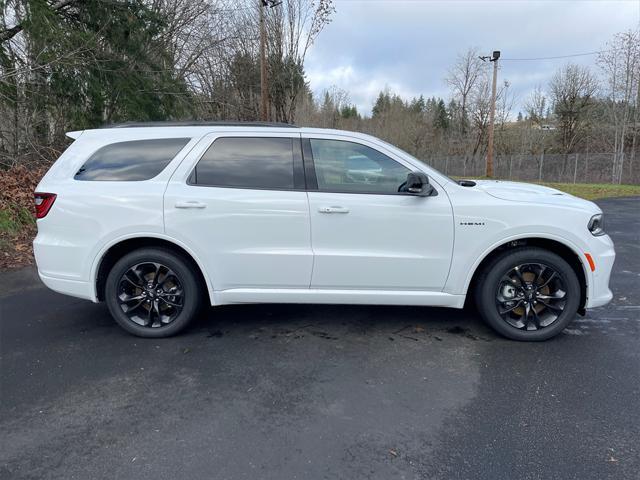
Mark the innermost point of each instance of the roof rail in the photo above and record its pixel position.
(192, 123)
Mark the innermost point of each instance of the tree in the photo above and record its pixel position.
(463, 77)
(292, 26)
(349, 111)
(535, 106)
(382, 104)
(537, 112)
(441, 116)
(84, 63)
(620, 65)
(572, 89)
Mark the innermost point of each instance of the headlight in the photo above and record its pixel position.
(596, 225)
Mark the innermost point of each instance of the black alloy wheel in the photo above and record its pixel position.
(528, 294)
(154, 292)
(531, 296)
(151, 294)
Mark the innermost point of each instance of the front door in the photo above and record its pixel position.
(364, 233)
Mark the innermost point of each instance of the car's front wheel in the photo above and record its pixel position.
(528, 294)
(153, 292)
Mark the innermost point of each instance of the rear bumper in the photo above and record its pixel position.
(604, 256)
(60, 264)
(65, 286)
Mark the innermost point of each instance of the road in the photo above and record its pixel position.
(321, 392)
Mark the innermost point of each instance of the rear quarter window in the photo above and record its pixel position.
(131, 161)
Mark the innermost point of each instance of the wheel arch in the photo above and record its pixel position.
(566, 252)
(111, 253)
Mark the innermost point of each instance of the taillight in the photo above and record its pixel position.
(44, 202)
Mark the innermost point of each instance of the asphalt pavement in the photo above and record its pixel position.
(321, 392)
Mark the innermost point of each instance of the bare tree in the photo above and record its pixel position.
(463, 77)
(621, 67)
(572, 89)
(536, 106)
(293, 26)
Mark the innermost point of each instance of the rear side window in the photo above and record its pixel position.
(130, 161)
(243, 162)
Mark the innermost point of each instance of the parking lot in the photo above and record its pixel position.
(284, 392)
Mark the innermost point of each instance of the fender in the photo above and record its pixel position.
(102, 252)
(572, 246)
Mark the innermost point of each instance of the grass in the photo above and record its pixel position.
(17, 228)
(593, 191)
(13, 220)
(588, 191)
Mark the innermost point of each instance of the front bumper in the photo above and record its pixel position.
(604, 255)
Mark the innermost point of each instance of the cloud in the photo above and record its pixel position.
(409, 45)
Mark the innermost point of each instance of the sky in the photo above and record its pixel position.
(409, 45)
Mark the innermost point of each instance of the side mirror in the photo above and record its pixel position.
(418, 184)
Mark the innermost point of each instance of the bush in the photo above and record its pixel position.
(17, 214)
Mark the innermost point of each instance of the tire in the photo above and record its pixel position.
(521, 303)
(150, 301)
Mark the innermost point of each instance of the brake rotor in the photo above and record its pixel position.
(530, 277)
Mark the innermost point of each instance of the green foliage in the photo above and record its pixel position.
(417, 105)
(386, 102)
(99, 62)
(14, 219)
(349, 111)
(441, 116)
(286, 81)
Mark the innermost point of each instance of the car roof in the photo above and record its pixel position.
(199, 123)
(132, 130)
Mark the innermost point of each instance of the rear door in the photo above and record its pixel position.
(239, 202)
(365, 234)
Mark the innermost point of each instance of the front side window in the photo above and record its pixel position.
(349, 167)
(131, 161)
(247, 162)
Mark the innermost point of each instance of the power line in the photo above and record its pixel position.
(556, 57)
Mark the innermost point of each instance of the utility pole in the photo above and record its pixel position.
(492, 112)
(264, 79)
(264, 90)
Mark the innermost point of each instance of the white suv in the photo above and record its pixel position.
(156, 219)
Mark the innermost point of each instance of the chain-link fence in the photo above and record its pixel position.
(571, 168)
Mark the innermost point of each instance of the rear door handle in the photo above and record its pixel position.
(333, 210)
(190, 204)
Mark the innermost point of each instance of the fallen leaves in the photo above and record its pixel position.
(17, 227)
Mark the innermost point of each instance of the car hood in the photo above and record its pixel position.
(528, 192)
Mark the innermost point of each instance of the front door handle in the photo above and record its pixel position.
(333, 210)
(190, 204)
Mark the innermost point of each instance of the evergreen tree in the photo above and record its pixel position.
(349, 111)
(441, 116)
(418, 105)
(382, 104)
(116, 66)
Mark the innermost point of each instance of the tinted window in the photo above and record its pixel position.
(247, 163)
(128, 161)
(353, 168)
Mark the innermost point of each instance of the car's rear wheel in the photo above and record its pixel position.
(153, 292)
(528, 294)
